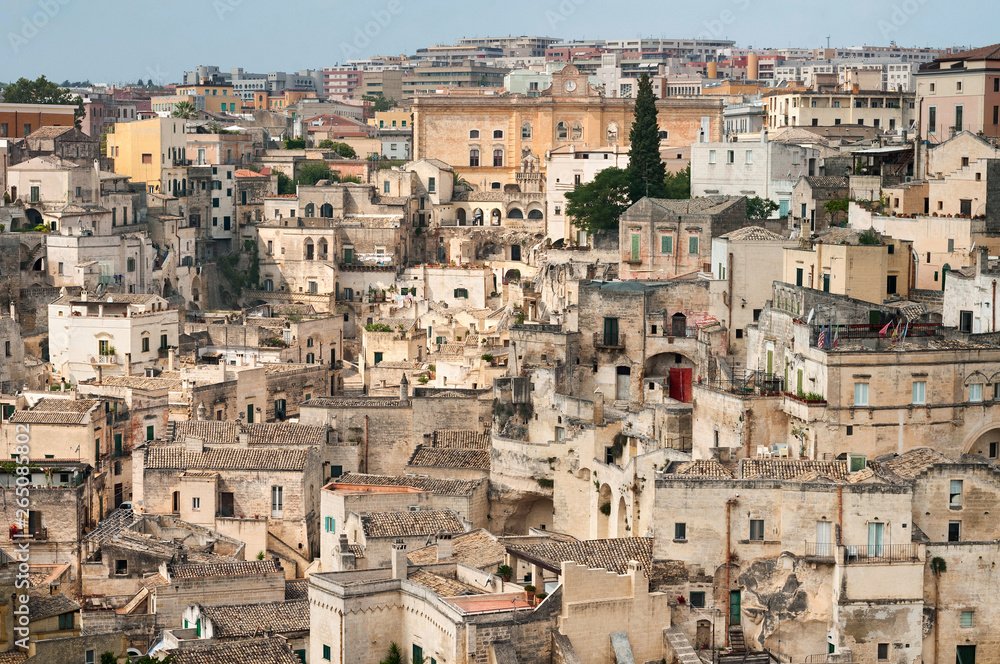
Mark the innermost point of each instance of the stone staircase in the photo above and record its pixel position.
(680, 645)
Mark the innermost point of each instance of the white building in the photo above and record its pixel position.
(567, 167)
(765, 169)
(120, 262)
(119, 334)
(970, 295)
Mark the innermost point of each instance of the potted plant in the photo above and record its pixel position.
(505, 572)
(541, 596)
(529, 593)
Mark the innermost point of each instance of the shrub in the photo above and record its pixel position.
(606, 509)
(529, 588)
(541, 596)
(505, 572)
(488, 357)
(546, 483)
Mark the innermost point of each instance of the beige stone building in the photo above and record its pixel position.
(889, 111)
(486, 138)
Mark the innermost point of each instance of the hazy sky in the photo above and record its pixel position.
(114, 40)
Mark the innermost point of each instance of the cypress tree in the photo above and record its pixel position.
(646, 170)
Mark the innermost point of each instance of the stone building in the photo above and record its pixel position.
(663, 239)
(288, 619)
(370, 537)
(809, 196)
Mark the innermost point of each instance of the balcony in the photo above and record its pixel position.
(820, 551)
(609, 341)
(39, 533)
(879, 554)
(104, 360)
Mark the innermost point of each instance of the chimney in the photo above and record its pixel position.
(763, 135)
(170, 359)
(128, 364)
(201, 412)
(100, 373)
(598, 407)
(348, 560)
(445, 548)
(399, 562)
(195, 445)
(97, 183)
(222, 369)
(982, 260)
(403, 389)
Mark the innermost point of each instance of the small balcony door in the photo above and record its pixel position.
(876, 532)
(824, 538)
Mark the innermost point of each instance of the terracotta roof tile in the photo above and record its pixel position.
(263, 651)
(408, 524)
(442, 585)
(461, 438)
(242, 620)
(446, 457)
(788, 469)
(704, 468)
(163, 457)
(440, 487)
(478, 548)
(44, 605)
(297, 589)
(227, 433)
(242, 568)
(610, 554)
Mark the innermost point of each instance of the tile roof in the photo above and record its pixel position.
(409, 524)
(791, 469)
(827, 181)
(227, 433)
(242, 568)
(440, 487)
(752, 234)
(160, 457)
(13, 657)
(56, 411)
(449, 457)
(610, 554)
(45, 605)
(247, 173)
(143, 383)
(982, 53)
(704, 468)
(461, 438)
(263, 651)
(297, 589)
(242, 620)
(49, 131)
(912, 463)
(355, 402)
(478, 548)
(442, 585)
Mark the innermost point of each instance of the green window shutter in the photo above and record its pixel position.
(666, 244)
(693, 244)
(635, 247)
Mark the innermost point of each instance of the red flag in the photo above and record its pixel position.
(885, 330)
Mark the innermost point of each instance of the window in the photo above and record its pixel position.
(954, 531)
(731, 156)
(277, 501)
(698, 599)
(968, 619)
(562, 131)
(65, 621)
(680, 531)
(693, 244)
(994, 449)
(163, 342)
(326, 652)
(965, 321)
(431, 185)
(498, 133)
(711, 156)
(461, 293)
(666, 244)
(919, 392)
(130, 265)
(497, 158)
(329, 524)
(526, 131)
(473, 157)
(931, 119)
(150, 432)
(883, 652)
(976, 392)
(88, 657)
(147, 158)
(378, 357)
(281, 405)
(121, 567)
(35, 193)
(4, 130)
(756, 530)
(861, 394)
(474, 133)
(196, 503)
(749, 156)
(955, 494)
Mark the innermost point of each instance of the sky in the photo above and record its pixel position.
(119, 41)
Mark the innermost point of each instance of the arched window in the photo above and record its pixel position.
(495, 217)
(562, 131)
(535, 214)
(326, 211)
(310, 249)
(323, 249)
(612, 132)
(577, 132)
(526, 131)
(474, 133)
(474, 157)
(310, 210)
(515, 213)
(498, 133)
(664, 135)
(497, 157)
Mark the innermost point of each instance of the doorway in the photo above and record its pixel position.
(824, 538)
(735, 599)
(623, 377)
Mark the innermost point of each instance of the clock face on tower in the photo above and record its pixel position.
(570, 86)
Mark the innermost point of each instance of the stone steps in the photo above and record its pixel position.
(684, 652)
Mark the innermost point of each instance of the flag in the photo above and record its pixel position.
(885, 330)
(836, 336)
(822, 338)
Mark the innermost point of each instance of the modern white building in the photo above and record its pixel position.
(567, 167)
(118, 334)
(765, 169)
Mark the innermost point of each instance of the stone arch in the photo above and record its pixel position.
(310, 249)
(310, 210)
(460, 215)
(536, 213)
(196, 290)
(562, 131)
(659, 365)
(515, 213)
(34, 217)
(495, 217)
(604, 520)
(622, 518)
(326, 211)
(477, 217)
(323, 249)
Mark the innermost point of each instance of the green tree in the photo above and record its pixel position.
(678, 185)
(325, 145)
(295, 144)
(379, 102)
(310, 174)
(109, 658)
(343, 149)
(394, 656)
(836, 206)
(43, 91)
(185, 110)
(646, 171)
(760, 208)
(286, 185)
(597, 205)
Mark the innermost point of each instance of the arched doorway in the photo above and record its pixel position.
(34, 217)
(460, 215)
(477, 217)
(495, 217)
(678, 325)
(603, 512)
(944, 274)
(326, 211)
(987, 444)
(622, 518)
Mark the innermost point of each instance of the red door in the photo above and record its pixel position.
(680, 384)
